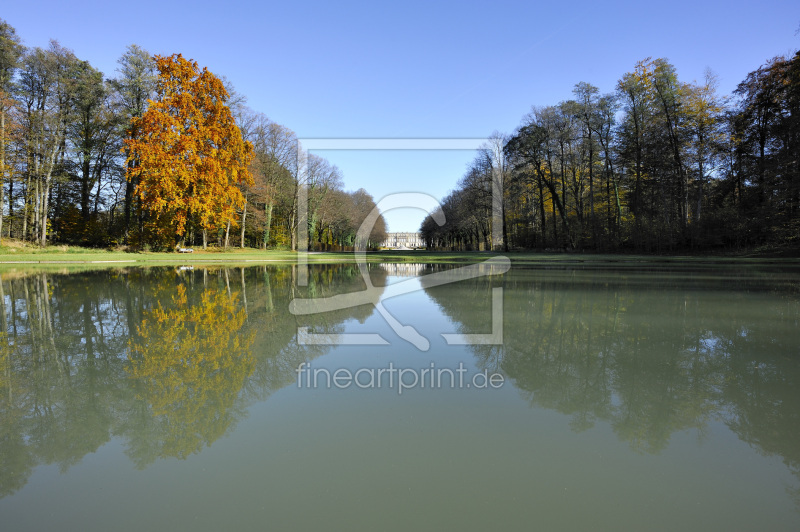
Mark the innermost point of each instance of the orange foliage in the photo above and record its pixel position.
(187, 151)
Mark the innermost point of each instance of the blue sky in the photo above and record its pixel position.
(417, 69)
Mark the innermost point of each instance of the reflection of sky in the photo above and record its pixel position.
(709, 344)
(414, 308)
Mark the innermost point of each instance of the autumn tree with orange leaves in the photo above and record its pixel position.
(188, 154)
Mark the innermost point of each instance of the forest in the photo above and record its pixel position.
(657, 166)
(164, 154)
(167, 154)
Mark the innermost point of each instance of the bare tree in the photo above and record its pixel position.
(47, 87)
(134, 86)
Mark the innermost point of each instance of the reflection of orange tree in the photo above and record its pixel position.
(189, 362)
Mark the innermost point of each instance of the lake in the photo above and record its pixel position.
(571, 396)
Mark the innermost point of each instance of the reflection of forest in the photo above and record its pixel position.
(166, 360)
(649, 354)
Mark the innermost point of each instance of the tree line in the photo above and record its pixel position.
(163, 154)
(657, 165)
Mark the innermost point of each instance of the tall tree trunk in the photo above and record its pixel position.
(244, 219)
(85, 182)
(25, 203)
(10, 207)
(700, 174)
(129, 187)
(46, 195)
(37, 201)
(43, 222)
(542, 213)
(591, 189)
(267, 223)
(2, 162)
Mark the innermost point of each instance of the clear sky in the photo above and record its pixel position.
(410, 69)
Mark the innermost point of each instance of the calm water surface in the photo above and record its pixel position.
(633, 398)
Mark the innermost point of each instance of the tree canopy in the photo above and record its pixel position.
(188, 152)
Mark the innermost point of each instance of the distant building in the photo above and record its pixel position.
(403, 240)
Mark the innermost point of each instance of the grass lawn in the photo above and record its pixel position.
(15, 254)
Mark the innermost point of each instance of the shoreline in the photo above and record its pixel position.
(112, 258)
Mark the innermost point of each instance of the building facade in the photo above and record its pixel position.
(403, 240)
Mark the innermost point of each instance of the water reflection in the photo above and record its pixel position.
(166, 359)
(647, 353)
